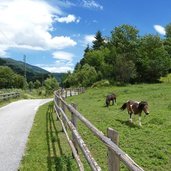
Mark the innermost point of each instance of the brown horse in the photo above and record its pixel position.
(134, 107)
(110, 97)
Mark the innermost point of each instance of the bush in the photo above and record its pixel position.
(102, 83)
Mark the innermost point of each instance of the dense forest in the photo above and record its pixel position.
(124, 57)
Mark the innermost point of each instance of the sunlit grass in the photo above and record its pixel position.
(149, 146)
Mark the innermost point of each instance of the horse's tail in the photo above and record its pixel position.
(123, 106)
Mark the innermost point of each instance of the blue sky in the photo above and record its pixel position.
(54, 33)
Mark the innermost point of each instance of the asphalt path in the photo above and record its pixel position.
(16, 120)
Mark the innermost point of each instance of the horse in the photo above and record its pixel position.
(134, 107)
(110, 97)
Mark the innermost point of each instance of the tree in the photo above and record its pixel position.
(125, 39)
(110, 63)
(168, 30)
(167, 41)
(6, 77)
(88, 75)
(64, 81)
(51, 84)
(18, 81)
(99, 41)
(31, 85)
(9, 79)
(85, 76)
(96, 58)
(153, 60)
(124, 70)
(37, 84)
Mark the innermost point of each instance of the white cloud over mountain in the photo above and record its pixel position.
(28, 24)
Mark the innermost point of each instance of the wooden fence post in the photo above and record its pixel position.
(70, 92)
(66, 92)
(58, 103)
(64, 109)
(74, 121)
(113, 160)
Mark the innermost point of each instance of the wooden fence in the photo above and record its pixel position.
(6, 96)
(115, 154)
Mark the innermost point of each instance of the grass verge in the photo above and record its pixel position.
(47, 147)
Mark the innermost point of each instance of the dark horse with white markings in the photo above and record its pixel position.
(110, 97)
(134, 107)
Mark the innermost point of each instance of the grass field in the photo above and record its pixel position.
(149, 146)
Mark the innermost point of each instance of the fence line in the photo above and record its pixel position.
(76, 156)
(80, 142)
(9, 95)
(70, 91)
(115, 153)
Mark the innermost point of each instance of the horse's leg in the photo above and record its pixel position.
(130, 119)
(139, 120)
(107, 104)
(112, 102)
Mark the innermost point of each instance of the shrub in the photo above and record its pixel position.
(102, 83)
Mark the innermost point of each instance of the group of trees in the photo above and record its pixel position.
(124, 57)
(9, 79)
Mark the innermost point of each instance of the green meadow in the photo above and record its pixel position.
(149, 146)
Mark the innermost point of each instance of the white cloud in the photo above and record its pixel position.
(66, 4)
(160, 29)
(3, 52)
(61, 55)
(92, 4)
(58, 67)
(70, 18)
(63, 62)
(27, 24)
(88, 39)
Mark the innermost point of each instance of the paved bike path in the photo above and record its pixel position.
(16, 120)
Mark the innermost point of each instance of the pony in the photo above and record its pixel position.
(110, 97)
(134, 107)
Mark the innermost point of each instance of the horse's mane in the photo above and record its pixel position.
(142, 104)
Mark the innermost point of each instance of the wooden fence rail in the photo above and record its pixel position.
(9, 95)
(115, 154)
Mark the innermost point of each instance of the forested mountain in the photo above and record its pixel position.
(58, 76)
(32, 72)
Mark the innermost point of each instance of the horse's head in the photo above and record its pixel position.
(144, 106)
